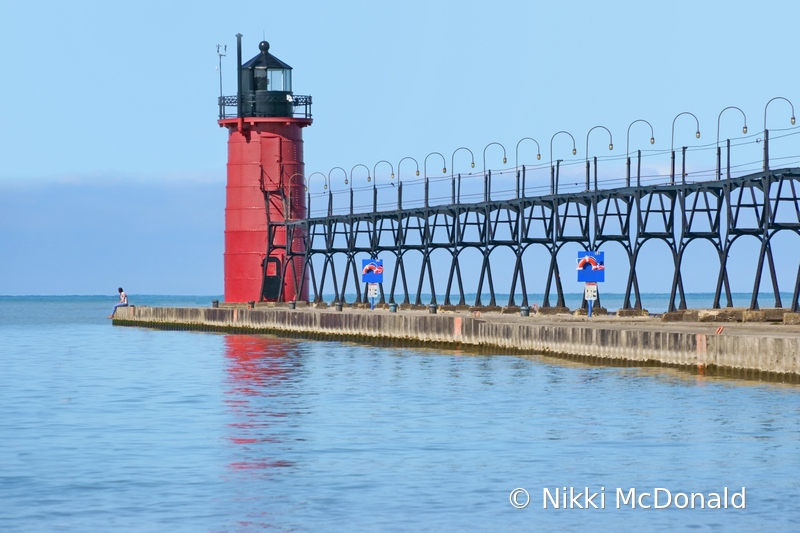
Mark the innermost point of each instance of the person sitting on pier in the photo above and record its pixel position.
(123, 302)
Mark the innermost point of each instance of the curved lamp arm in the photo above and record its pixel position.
(516, 150)
(628, 142)
(401, 162)
(697, 133)
(425, 164)
(574, 151)
(351, 173)
(305, 187)
(324, 177)
(453, 157)
(484, 154)
(610, 140)
(766, 106)
(744, 129)
(375, 173)
(345, 176)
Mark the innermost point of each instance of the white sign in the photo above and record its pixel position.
(372, 290)
(590, 292)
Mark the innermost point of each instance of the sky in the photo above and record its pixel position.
(112, 166)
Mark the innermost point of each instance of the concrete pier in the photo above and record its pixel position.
(760, 347)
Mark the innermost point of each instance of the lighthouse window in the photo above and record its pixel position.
(261, 80)
(276, 80)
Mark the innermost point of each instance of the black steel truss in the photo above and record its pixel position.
(676, 214)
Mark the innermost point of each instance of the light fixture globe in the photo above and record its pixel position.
(504, 160)
(652, 140)
(473, 164)
(697, 134)
(744, 130)
(345, 181)
(444, 170)
(538, 156)
(574, 151)
(417, 172)
(369, 179)
(611, 146)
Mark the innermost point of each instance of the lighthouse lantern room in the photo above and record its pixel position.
(267, 85)
(266, 180)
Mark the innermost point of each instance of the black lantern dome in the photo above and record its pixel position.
(266, 86)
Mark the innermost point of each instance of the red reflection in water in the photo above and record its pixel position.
(256, 364)
(258, 369)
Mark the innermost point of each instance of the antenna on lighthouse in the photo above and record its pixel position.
(221, 52)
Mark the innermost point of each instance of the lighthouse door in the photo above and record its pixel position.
(271, 287)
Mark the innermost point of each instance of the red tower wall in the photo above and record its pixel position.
(262, 152)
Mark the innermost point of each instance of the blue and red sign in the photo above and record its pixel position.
(591, 267)
(372, 270)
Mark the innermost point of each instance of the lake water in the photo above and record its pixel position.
(127, 429)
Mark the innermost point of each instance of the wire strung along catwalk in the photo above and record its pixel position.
(676, 212)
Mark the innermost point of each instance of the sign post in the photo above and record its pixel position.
(590, 294)
(373, 293)
(591, 270)
(372, 273)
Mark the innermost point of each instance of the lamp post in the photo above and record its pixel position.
(610, 147)
(516, 162)
(766, 132)
(453, 177)
(288, 212)
(672, 148)
(375, 183)
(553, 182)
(628, 151)
(719, 158)
(290, 241)
(400, 182)
(487, 181)
(351, 182)
(330, 197)
(331, 183)
(425, 171)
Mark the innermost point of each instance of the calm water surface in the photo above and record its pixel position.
(127, 429)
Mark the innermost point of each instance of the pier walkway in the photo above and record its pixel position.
(758, 349)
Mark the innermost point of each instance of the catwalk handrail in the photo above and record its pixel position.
(297, 100)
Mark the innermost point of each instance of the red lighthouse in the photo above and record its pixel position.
(265, 178)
